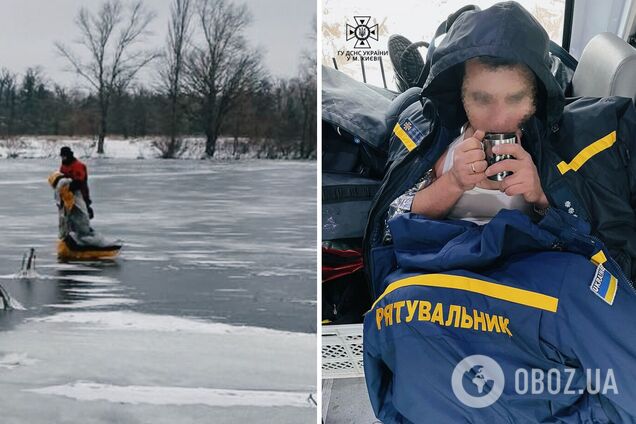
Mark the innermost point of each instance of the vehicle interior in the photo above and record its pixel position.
(599, 36)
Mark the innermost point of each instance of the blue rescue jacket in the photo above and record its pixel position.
(584, 151)
(543, 302)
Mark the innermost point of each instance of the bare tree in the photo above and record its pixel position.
(110, 37)
(172, 67)
(307, 94)
(307, 91)
(8, 101)
(32, 95)
(223, 68)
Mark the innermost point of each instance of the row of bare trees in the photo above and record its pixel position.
(208, 74)
(278, 117)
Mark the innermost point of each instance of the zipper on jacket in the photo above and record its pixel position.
(611, 260)
(597, 242)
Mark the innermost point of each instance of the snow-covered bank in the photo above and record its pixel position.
(41, 147)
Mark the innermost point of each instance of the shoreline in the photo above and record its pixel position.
(141, 148)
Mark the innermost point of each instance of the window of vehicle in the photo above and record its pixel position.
(414, 19)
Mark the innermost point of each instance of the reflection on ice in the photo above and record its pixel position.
(96, 279)
(222, 263)
(230, 290)
(8, 302)
(69, 267)
(134, 256)
(28, 274)
(14, 304)
(94, 303)
(88, 391)
(285, 272)
(304, 301)
(92, 291)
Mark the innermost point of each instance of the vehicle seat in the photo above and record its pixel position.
(607, 68)
(400, 103)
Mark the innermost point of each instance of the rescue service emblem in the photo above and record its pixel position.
(362, 32)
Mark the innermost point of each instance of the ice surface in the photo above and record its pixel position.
(14, 360)
(94, 303)
(125, 320)
(96, 279)
(87, 364)
(87, 391)
(186, 322)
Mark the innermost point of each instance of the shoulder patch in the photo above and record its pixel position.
(413, 132)
(408, 134)
(604, 285)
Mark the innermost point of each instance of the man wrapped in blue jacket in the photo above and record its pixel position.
(525, 318)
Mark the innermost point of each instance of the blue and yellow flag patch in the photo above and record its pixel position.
(408, 134)
(604, 285)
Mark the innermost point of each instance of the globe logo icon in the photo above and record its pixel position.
(477, 381)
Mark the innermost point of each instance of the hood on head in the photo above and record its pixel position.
(505, 30)
(54, 178)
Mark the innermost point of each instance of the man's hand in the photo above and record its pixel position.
(525, 178)
(469, 161)
(91, 214)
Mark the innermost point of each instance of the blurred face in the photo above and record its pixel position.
(498, 99)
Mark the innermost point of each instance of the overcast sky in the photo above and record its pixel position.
(28, 29)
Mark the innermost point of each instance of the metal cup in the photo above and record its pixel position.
(494, 139)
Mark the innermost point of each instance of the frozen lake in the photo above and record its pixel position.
(208, 315)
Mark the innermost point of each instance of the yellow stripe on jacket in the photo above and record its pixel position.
(587, 153)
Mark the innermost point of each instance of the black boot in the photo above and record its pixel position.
(407, 61)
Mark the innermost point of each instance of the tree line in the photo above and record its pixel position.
(209, 82)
